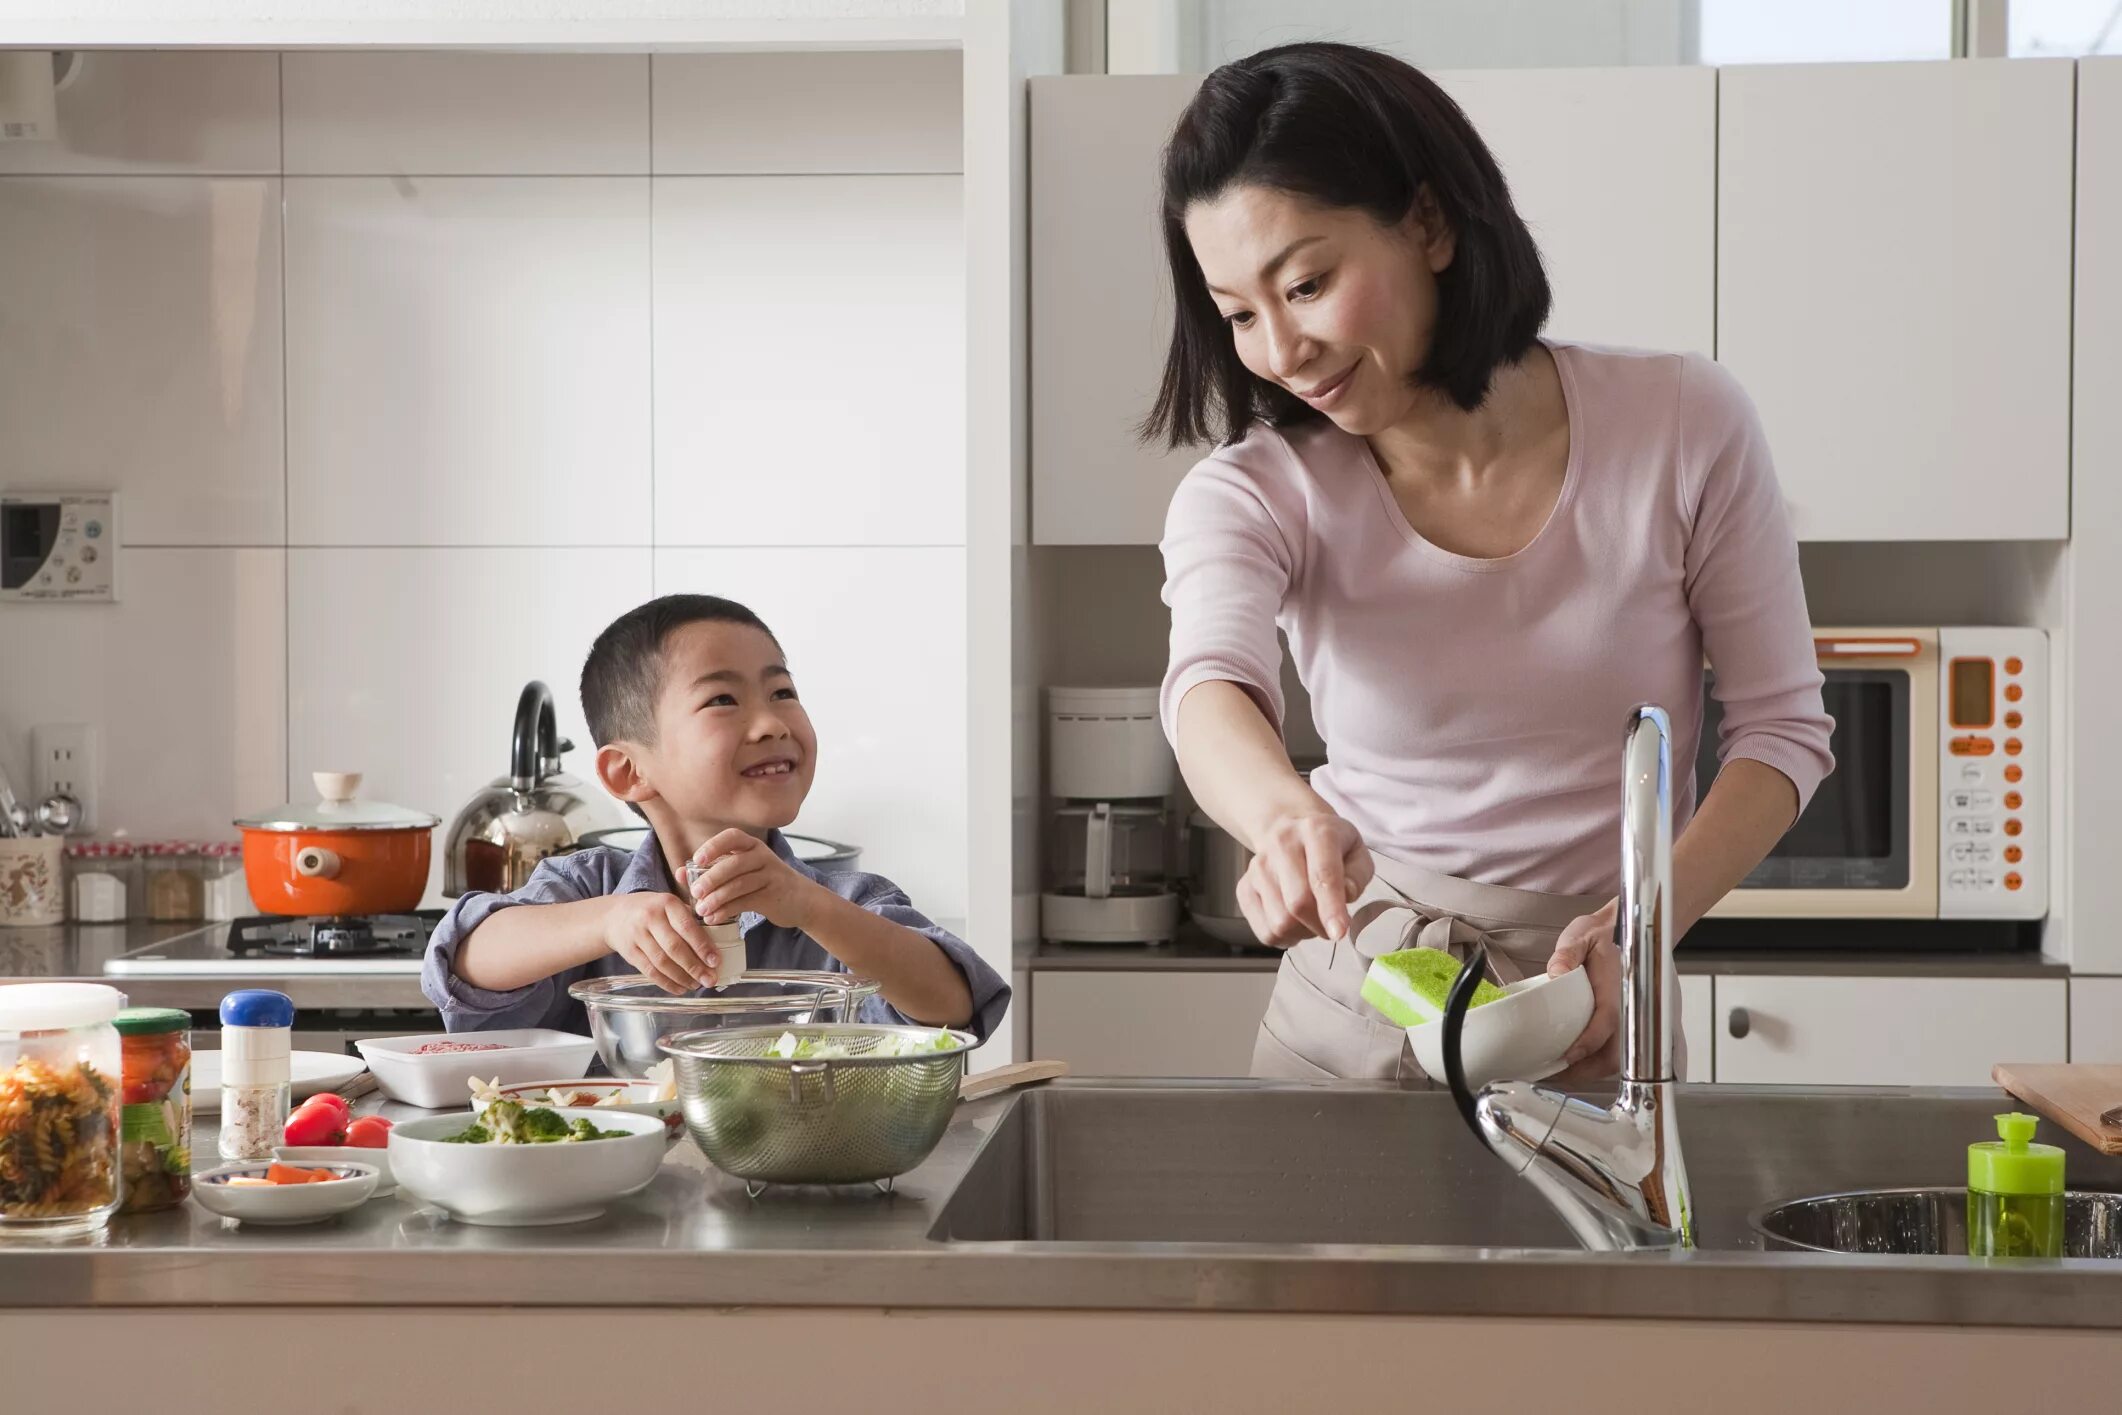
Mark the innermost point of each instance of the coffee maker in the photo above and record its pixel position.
(1111, 833)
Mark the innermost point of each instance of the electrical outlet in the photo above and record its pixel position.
(65, 762)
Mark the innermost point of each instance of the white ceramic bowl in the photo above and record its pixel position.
(640, 1098)
(1521, 1036)
(312, 1156)
(284, 1203)
(442, 1080)
(526, 1184)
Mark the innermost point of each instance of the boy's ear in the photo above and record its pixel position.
(621, 774)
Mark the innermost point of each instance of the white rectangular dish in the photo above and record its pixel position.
(442, 1080)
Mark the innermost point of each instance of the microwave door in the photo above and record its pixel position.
(1854, 837)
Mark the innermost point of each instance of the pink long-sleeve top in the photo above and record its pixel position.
(1473, 708)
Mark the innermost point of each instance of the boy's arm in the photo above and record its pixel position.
(915, 976)
(924, 972)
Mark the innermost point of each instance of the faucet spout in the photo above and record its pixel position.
(1615, 1175)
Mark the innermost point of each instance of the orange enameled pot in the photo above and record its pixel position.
(337, 855)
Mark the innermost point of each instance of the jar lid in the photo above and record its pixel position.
(257, 1007)
(152, 1021)
(336, 809)
(53, 1007)
(2012, 1164)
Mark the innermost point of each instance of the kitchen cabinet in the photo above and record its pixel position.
(1614, 169)
(1894, 291)
(1884, 1031)
(2096, 1020)
(1698, 1023)
(1144, 1023)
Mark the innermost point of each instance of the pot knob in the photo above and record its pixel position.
(336, 786)
(316, 862)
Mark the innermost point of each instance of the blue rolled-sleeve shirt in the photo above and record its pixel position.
(602, 870)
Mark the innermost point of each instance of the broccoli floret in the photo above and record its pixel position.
(541, 1125)
(503, 1121)
(474, 1134)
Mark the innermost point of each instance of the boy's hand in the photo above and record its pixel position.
(743, 872)
(658, 935)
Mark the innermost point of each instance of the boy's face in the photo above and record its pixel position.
(733, 744)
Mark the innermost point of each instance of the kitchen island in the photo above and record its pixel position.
(1102, 1245)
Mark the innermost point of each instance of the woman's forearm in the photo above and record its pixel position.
(515, 947)
(1235, 764)
(1749, 808)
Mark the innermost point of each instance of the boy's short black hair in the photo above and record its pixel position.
(1341, 126)
(623, 674)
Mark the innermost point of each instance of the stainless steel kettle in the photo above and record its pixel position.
(535, 811)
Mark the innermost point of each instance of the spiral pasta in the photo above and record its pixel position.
(58, 1140)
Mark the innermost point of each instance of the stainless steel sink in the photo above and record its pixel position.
(1922, 1221)
(1251, 1163)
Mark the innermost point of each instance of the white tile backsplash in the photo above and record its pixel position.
(439, 112)
(166, 112)
(140, 350)
(810, 383)
(468, 360)
(459, 479)
(876, 640)
(185, 678)
(405, 664)
(778, 113)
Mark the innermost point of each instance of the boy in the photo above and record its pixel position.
(699, 729)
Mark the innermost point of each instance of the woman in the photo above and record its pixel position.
(1484, 547)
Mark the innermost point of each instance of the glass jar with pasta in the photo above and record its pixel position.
(60, 1073)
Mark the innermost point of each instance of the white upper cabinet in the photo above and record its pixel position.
(1894, 290)
(1614, 170)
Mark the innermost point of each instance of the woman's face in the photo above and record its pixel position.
(1323, 301)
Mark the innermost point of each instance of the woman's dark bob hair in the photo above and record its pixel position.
(1340, 126)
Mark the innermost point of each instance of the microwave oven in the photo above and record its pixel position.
(1938, 804)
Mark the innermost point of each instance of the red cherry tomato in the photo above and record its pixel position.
(315, 1125)
(370, 1132)
(334, 1100)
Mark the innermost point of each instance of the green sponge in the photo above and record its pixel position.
(1410, 986)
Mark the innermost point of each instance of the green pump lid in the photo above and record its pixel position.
(2013, 1164)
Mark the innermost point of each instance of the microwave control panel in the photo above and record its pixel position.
(1993, 781)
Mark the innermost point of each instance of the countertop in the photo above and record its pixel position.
(80, 951)
(694, 1239)
(1196, 952)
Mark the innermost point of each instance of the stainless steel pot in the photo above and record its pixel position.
(1215, 864)
(534, 812)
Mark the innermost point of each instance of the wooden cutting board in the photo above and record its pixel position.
(2071, 1095)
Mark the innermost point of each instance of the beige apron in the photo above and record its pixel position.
(1317, 1025)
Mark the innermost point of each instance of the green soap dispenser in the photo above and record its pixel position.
(2014, 1194)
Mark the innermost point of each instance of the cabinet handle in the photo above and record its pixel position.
(1739, 1024)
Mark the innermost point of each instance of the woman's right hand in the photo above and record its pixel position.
(1306, 870)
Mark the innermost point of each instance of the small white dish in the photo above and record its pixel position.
(526, 1185)
(442, 1080)
(309, 1072)
(1521, 1036)
(314, 1156)
(283, 1204)
(640, 1098)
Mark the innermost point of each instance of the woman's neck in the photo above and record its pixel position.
(1441, 444)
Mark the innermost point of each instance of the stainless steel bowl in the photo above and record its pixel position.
(629, 1015)
(1921, 1221)
(845, 1120)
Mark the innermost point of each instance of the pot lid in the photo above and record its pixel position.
(336, 809)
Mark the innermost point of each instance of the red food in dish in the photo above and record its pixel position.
(438, 1048)
(370, 1132)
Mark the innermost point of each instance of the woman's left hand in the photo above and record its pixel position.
(1588, 943)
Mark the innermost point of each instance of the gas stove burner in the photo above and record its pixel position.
(355, 936)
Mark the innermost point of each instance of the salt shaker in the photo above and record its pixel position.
(255, 1032)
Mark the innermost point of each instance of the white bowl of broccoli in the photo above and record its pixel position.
(513, 1164)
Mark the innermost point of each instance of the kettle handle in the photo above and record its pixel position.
(536, 737)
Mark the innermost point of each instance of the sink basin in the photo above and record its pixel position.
(1922, 1221)
(1233, 1162)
